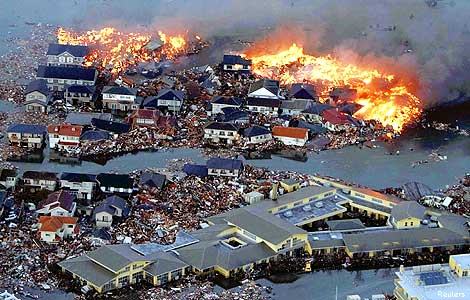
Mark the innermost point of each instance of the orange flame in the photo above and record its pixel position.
(118, 50)
(382, 96)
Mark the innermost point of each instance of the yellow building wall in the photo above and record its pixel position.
(290, 188)
(408, 223)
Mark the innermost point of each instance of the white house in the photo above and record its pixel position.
(64, 137)
(115, 183)
(66, 55)
(35, 180)
(119, 98)
(224, 167)
(172, 100)
(221, 132)
(52, 229)
(264, 88)
(257, 134)
(60, 203)
(37, 96)
(26, 135)
(220, 102)
(236, 64)
(8, 178)
(83, 186)
(291, 136)
(110, 209)
(58, 77)
(267, 106)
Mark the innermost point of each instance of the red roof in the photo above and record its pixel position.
(54, 223)
(65, 129)
(334, 117)
(68, 143)
(292, 132)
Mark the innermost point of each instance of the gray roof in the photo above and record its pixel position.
(83, 119)
(345, 224)
(116, 257)
(87, 269)
(38, 85)
(270, 85)
(27, 128)
(402, 239)
(164, 262)
(207, 254)
(119, 90)
(408, 209)
(152, 179)
(299, 104)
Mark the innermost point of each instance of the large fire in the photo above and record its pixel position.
(117, 50)
(382, 96)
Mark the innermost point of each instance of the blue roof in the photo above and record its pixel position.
(255, 131)
(224, 163)
(302, 91)
(38, 85)
(265, 102)
(230, 59)
(75, 50)
(198, 170)
(84, 89)
(95, 135)
(111, 126)
(27, 128)
(119, 90)
(227, 100)
(78, 177)
(169, 94)
(72, 73)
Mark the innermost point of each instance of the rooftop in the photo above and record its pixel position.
(119, 90)
(292, 132)
(66, 130)
(77, 73)
(230, 59)
(75, 50)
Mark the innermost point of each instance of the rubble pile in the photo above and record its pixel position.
(460, 193)
(193, 289)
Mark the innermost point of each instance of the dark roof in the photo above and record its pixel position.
(119, 90)
(351, 224)
(234, 115)
(414, 191)
(78, 177)
(169, 94)
(224, 163)
(151, 101)
(84, 119)
(198, 170)
(64, 198)
(408, 209)
(95, 135)
(152, 179)
(302, 91)
(74, 73)
(83, 89)
(227, 100)
(40, 175)
(349, 108)
(38, 85)
(27, 128)
(102, 233)
(314, 128)
(115, 180)
(235, 60)
(4, 173)
(317, 108)
(269, 84)
(221, 126)
(111, 126)
(255, 131)
(335, 117)
(75, 50)
(267, 102)
(109, 204)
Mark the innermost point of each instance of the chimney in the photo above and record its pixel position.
(274, 191)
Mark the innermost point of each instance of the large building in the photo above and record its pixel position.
(433, 282)
(58, 77)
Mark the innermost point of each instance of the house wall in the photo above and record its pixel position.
(290, 188)
(47, 236)
(291, 141)
(260, 138)
(55, 138)
(313, 118)
(44, 184)
(236, 67)
(36, 95)
(172, 105)
(79, 98)
(58, 84)
(28, 140)
(115, 190)
(117, 105)
(36, 107)
(103, 219)
(263, 109)
(263, 93)
(217, 107)
(457, 268)
(223, 172)
(64, 59)
(216, 135)
(408, 223)
(83, 190)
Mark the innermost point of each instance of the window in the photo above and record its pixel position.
(69, 59)
(406, 223)
(175, 275)
(61, 59)
(411, 224)
(162, 279)
(123, 281)
(465, 273)
(229, 67)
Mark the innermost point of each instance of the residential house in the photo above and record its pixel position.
(115, 183)
(125, 82)
(169, 100)
(196, 170)
(224, 167)
(264, 88)
(38, 97)
(52, 229)
(119, 98)
(257, 134)
(144, 118)
(220, 102)
(335, 120)
(343, 94)
(313, 129)
(233, 116)
(303, 91)
(95, 135)
(116, 266)
(60, 203)
(269, 106)
(111, 126)
(152, 180)
(80, 95)
(294, 107)
(66, 55)
(8, 178)
(314, 112)
(219, 132)
(111, 209)
(26, 135)
(36, 180)
(291, 136)
(83, 186)
(236, 63)
(64, 137)
(58, 78)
